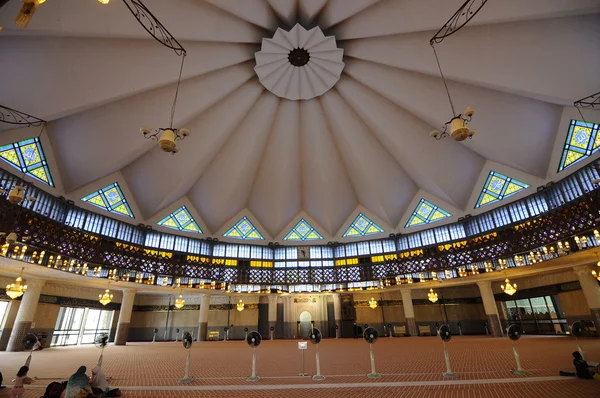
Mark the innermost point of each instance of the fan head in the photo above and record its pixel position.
(187, 340)
(155, 331)
(177, 330)
(445, 333)
(370, 335)
(101, 340)
(29, 341)
(245, 329)
(315, 336)
(578, 329)
(514, 332)
(253, 339)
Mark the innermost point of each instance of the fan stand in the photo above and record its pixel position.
(254, 377)
(579, 348)
(187, 378)
(318, 376)
(101, 357)
(519, 370)
(448, 373)
(28, 361)
(373, 374)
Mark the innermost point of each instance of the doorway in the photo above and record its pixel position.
(76, 326)
(305, 325)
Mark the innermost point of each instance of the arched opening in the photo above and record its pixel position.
(304, 325)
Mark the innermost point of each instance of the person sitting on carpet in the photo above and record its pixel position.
(582, 369)
(100, 385)
(78, 385)
(18, 389)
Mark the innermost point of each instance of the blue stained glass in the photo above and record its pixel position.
(181, 220)
(362, 226)
(244, 229)
(497, 187)
(303, 231)
(111, 199)
(581, 142)
(426, 213)
(28, 156)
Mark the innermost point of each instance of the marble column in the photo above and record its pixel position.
(491, 310)
(591, 291)
(203, 317)
(409, 312)
(25, 315)
(337, 314)
(272, 315)
(125, 316)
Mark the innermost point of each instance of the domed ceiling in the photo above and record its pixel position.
(280, 135)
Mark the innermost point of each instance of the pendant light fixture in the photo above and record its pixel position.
(509, 288)
(240, 306)
(180, 302)
(373, 303)
(107, 297)
(16, 289)
(432, 296)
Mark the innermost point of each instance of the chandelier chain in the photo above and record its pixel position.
(444, 80)
(177, 90)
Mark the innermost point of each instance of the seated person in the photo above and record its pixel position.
(78, 385)
(100, 385)
(582, 369)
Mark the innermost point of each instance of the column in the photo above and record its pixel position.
(125, 316)
(272, 315)
(337, 314)
(203, 319)
(491, 310)
(591, 291)
(409, 311)
(25, 315)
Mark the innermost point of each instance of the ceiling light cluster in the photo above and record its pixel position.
(179, 302)
(240, 306)
(105, 298)
(432, 296)
(373, 303)
(16, 289)
(509, 288)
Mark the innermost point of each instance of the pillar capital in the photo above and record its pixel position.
(484, 284)
(583, 270)
(272, 297)
(34, 283)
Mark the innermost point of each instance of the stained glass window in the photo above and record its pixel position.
(426, 213)
(497, 187)
(361, 226)
(28, 156)
(181, 220)
(244, 229)
(303, 231)
(110, 198)
(582, 141)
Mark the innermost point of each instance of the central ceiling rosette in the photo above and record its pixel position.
(300, 64)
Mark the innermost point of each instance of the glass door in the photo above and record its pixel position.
(80, 325)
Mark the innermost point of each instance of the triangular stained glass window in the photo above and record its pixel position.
(497, 187)
(244, 229)
(28, 156)
(181, 220)
(425, 213)
(303, 231)
(582, 141)
(361, 226)
(111, 199)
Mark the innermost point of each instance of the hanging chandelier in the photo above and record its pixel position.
(180, 302)
(167, 136)
(431, 296)
(373, 303)
(16, 290)
(240, 306)
(509, 288)
(105, 298)
(596, 274)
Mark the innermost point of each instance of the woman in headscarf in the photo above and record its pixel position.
(100, 385)
(78, 385)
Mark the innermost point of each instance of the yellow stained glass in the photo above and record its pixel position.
(191, 227)
(487, 198)
(121, 209)
(30, 154)
(572, 157)
(437, 215)
(294, 236)
(254, 235)
(98, 201)
(416, 221)
(170, 223)
(352, 232)
(512, 188)
(40, 173)
(313, 235)
(233, 233)
(581, 137)
(113, 196)
(495, 185)
(11, 156)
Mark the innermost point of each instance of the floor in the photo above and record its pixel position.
(409, 367)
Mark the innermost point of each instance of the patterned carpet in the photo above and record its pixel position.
(409, 367)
